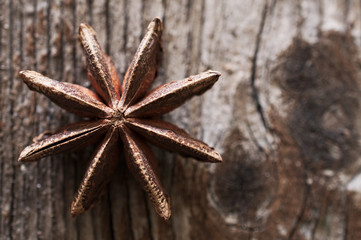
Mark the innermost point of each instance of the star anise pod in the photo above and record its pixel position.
(119, 115)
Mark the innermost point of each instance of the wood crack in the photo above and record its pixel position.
(2, 149)
(302, 211)
(74, 43)
(255, 94)
(250, 233)
(21, 42)
(111, 223)
(189, 40)
(37, 202)
(172, 180)
(33, 33)
(346, 211)
(132, 234)
(49, 68)
(142, 26)
(149, 219)
(107, 27)
(11, 111)
(48, 49)
(61, 27)
(90, 11)
(254, 139)
(61, 74)
(125, 30)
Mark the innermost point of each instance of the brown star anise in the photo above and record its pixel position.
(120, 114)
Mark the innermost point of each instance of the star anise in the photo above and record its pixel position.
(119, 115)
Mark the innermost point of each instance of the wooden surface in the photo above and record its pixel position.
(285, 116)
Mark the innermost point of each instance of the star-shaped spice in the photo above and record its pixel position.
(120, 115)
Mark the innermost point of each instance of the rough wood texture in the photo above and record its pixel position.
(285, 115)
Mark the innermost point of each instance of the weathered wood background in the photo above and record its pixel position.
(285, 115)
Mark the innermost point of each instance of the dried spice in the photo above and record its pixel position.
(120, 115)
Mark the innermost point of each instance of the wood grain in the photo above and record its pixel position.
(285, 116)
